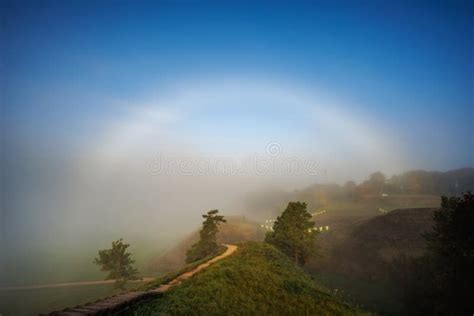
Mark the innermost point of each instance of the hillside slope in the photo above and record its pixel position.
(236, 230)
(367, 247)
(258, 279)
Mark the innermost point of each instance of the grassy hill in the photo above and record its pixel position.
(258, 279)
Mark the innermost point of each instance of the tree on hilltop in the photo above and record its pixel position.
(207, 244)
(294, 234)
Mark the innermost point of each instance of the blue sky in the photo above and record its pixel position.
(69, 66)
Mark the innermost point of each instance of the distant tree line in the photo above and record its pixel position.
(417, 182)
(413, 182)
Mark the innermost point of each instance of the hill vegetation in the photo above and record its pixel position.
(258, 279)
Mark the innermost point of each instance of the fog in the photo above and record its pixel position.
(151, 168)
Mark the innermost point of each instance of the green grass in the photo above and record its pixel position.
(256, 280)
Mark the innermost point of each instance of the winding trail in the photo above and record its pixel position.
(163, 288)
(113, 304)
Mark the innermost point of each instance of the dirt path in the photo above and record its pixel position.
(115, 303)
(163, 288)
